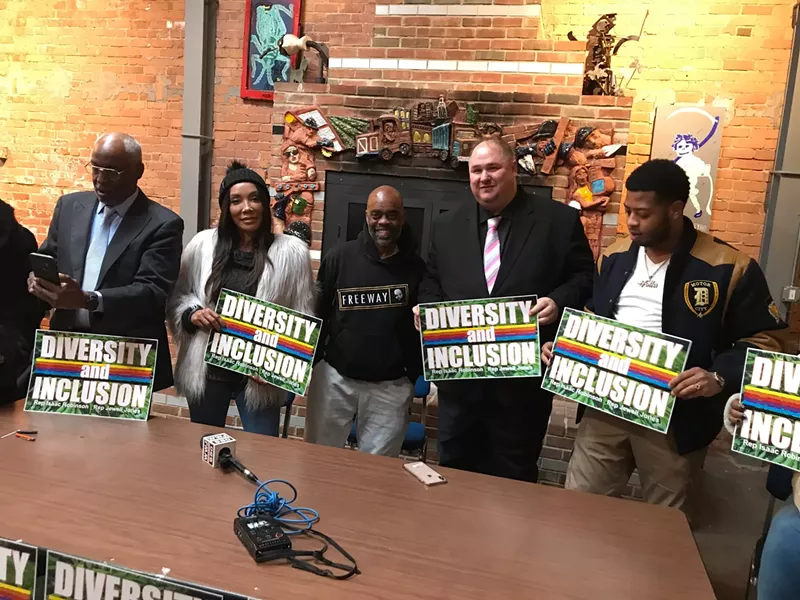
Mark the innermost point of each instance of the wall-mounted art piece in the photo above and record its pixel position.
(306, 130)
(691, 136)
(263, 64)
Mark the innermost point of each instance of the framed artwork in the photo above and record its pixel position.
(266, 22)
(691, 136)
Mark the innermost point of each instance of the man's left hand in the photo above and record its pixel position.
(68, 295)
(547, 310)
(695, 383)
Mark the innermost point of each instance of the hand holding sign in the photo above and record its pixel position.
(547, 310)
(547, 353)
(415, 310)
(206, 319)
(695, 383)
(736, 410)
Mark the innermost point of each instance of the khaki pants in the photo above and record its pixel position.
(607, 449)
(382, 408)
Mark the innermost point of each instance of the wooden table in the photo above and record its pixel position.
(140, 494)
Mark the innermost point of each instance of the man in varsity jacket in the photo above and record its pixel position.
(369, 347)
(671, 278)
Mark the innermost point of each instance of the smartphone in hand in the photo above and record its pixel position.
(45, 267)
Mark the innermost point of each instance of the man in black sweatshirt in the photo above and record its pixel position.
(369, 349)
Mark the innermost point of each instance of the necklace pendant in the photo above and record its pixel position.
(648, 283)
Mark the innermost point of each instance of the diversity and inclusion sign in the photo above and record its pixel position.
(91, 374)
(264, 340)
(615, 368)
(770, 430)
(33, 573)
(480, 339)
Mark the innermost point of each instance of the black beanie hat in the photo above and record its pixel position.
(239, 173)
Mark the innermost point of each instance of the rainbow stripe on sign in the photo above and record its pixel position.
(13, 593)
(638, 370)
(503, 333)
(71, 368)
(285, 343)
(771, 401)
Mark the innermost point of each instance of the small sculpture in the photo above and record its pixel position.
(291, 45)
(590, 157)
(601, 45)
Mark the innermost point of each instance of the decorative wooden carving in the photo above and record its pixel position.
(304, 131)
(590, 158)
(601, 45)
(425, 130)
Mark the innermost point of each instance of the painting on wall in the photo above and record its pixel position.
(263, 65)
(691, 136)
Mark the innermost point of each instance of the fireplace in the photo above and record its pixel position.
(424, 199)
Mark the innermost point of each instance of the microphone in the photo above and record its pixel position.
(217, 451)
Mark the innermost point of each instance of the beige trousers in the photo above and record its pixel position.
(607, 449)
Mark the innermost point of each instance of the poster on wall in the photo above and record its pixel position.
(691, 136)
(265, 24)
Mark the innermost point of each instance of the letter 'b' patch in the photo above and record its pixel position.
(701, 296)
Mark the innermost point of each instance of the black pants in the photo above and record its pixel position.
(493, 426)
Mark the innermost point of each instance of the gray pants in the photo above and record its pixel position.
(382, 409)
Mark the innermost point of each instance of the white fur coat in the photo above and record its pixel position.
(288, 282)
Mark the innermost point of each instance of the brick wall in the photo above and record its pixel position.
(73, 69)
(732, 54)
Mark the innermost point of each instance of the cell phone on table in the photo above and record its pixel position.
(424, 473)
(45, 267)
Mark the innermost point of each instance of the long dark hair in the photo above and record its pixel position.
(228, 241)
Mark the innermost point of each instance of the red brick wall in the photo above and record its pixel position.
(732, 54)
(71, 70)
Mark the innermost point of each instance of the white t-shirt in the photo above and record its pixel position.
(640, 303)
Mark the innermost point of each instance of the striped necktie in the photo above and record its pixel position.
(491, 253)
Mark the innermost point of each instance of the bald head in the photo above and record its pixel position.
(116, 167)
(385, 218)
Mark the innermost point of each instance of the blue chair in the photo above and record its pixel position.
(416, 440)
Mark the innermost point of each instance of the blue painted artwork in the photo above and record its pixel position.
(269, 22)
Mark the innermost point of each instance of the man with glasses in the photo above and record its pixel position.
(118, 254)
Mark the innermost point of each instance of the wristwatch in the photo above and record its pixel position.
(718, 378)
(92, 301)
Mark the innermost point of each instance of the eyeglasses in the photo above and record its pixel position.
(110, 174)
(292, 152)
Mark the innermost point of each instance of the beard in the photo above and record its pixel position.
(384, 240)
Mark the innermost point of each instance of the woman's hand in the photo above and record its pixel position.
(206, 319)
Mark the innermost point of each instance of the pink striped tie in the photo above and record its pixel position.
(491, 253)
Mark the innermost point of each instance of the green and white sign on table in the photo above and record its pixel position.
(616, 368)
(91, 374)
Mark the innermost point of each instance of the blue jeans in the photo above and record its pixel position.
(213, 409)
(779, 575)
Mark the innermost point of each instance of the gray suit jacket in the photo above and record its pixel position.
(139, 270)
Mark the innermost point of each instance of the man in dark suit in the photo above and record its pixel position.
(509, 244)
(118, 254)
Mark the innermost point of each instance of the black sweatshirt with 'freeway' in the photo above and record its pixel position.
(365, 303)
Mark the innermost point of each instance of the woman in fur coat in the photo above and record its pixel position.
(243, 255)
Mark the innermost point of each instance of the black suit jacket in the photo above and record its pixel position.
(546, 254)
(139, 270)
